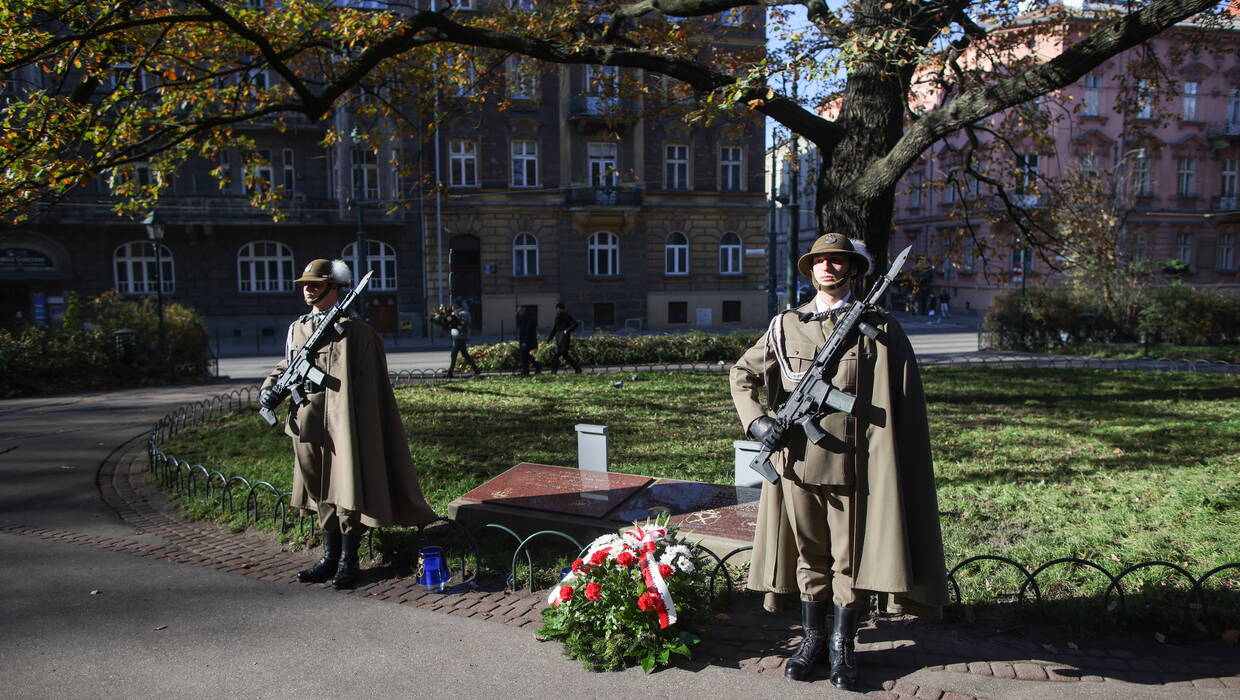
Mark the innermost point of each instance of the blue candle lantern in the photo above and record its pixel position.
(433, 571)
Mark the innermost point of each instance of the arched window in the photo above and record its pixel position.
(381, 258)
(135, 266)
(265, 266)
(604, 252)
(676, 254)
(729, 254)
(525, 255)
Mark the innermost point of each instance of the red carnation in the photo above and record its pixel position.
(646, 601)
(649, 547)
(593, 591)
(577, 564)
(666, 570)
(566, 592)
(625, 558)
(600, 556)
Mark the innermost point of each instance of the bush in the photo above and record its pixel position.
(1180, 313)
(1176, 313)
(611, 349)
(83, 352)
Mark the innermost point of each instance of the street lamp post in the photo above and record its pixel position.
(155, 231)
(361, 262)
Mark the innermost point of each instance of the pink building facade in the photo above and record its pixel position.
(1171, 144)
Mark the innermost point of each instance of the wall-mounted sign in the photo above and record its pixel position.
(755, 251)
(23, 259)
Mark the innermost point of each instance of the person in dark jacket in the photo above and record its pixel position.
(527, 341)
(561, 331)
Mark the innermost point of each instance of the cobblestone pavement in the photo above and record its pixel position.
(901, 658)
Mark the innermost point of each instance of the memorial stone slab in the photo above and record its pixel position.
(716, 510)
(565, 490)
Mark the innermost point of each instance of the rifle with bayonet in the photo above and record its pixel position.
(815, 396)
(301, 371)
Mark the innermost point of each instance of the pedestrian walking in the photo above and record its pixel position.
(561, 332)
(460, 338)
(527, 342)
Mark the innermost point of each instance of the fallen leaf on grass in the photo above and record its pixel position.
(161, 627)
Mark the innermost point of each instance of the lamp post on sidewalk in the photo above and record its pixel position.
(155, 231)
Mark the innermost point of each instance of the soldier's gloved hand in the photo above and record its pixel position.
(763, 428)
(269, 398)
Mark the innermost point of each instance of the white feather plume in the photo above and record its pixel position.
(341, 273)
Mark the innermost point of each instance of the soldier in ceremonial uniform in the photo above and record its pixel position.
(858, 513)
(352, 464)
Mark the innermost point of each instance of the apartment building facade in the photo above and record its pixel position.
(555, 188)
(1169, 149)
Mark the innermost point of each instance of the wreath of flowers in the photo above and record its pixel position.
(633, 597)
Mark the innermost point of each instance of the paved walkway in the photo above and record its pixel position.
(109, 594)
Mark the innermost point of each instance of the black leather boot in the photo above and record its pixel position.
(843, 648)
(346, 571)
(801, 664)
(325, 567)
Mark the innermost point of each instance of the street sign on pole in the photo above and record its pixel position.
(1018, 272)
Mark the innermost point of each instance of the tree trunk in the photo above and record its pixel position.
(872, 114)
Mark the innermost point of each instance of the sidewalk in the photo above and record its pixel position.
(190, 609)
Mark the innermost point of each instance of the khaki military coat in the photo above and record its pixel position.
(882, 452)
(366, 466)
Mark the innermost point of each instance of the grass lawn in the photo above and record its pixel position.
(1032, 464)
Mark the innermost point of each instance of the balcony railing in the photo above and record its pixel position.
(618, 196)
(601, 107)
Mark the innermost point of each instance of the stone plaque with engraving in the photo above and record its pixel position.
(729, 512)
(558, 489)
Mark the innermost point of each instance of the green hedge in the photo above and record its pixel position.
(1176, 313)
(612, 349)
(82, 352)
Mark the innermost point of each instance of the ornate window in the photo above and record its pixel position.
(676, 254)
(604, 255)
(290, 172)
(601, 159)
(1186, 178)
(463, 163)
(1093, 95)
(524, 163)
(365, 174)
(1184, 248)
(265, 266)
(1191, 89)
(135, 266)
(1226, 251)
(380, 257)
(731, 170)
(522, 78)
(729, 254)
(676, 173)
(525, 255)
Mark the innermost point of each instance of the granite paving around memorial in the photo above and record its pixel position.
(742, 636)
